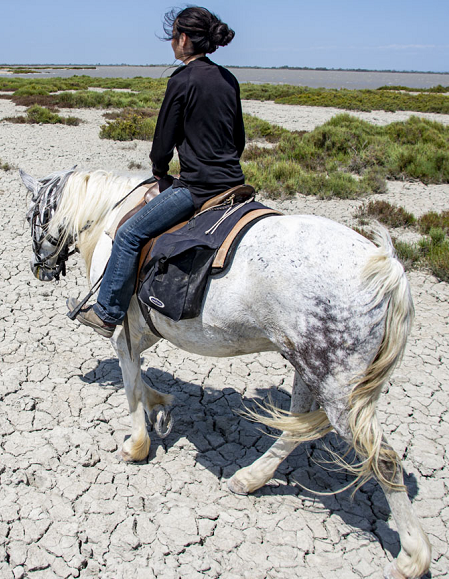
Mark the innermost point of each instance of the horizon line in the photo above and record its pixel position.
(283, 67)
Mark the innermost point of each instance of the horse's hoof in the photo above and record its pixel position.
(124, 456)
(235, 486)
(162, 420)
(391, 572)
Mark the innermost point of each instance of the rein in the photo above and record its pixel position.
(73, 313)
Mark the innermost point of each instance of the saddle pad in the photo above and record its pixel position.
(175, 278)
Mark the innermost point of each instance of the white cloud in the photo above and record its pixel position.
(407, 47)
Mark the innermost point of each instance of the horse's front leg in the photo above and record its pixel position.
(142, 399)
(249, 479)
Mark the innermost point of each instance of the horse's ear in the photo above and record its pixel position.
(30, 182)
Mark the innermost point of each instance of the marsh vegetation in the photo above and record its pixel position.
(148, 90)
(344, 158)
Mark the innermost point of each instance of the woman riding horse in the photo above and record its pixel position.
(201, 116)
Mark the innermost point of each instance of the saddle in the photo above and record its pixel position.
(175, 266)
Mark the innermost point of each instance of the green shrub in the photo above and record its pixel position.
(276, 178)
(438, 260)
(422, 162)
(266, 92)
(337, 184)
(367, 100)
(37, 115)
(129, 127)
(256, 128)
(29, 90)
(418, 130)
(435, 89)
(386, 98)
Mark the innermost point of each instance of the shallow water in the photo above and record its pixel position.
(311, 78)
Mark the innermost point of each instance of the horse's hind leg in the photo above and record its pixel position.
(249, 479)
(141, 397)
(414, 558)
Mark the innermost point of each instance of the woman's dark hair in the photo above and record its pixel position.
(205, 30)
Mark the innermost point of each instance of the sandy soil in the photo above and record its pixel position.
(68, 507)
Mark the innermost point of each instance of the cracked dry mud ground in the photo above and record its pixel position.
(69, 507)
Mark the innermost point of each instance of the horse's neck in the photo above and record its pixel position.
(96, 209)
(128, 204)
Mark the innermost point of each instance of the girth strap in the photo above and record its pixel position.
(146, 313)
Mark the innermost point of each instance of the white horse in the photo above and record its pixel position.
(334, 304)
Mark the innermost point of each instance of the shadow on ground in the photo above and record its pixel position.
(225, 442)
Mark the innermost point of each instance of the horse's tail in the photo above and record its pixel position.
(384, 276)
(385, 279)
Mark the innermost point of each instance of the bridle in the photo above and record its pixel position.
(44, 206)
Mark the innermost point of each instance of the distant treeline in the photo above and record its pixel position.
(284, 67)
(30, 69)
(323, 68)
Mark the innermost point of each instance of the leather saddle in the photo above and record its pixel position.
(238, 194)
(174, 266)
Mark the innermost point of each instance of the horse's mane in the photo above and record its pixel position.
(86, 204)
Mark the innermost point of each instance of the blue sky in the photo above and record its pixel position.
(371, 34)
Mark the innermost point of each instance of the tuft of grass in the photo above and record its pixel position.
(435, 251)
(284, 178)
(142, 93)
(327, 186)
(386, 213)
(408, 254)
(431, 251)
(373, 180)
(385, 98)
(6, 166)
(433, 220)
(134, 165)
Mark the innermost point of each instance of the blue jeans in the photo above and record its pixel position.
(117, 287)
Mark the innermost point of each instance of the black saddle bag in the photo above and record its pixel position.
(178, 295)
(176, 277)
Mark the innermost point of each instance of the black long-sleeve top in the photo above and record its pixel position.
(201, 116)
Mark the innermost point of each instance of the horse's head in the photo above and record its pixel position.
(49, 252)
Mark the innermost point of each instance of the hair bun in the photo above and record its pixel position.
(205, 30)
(220, 33)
